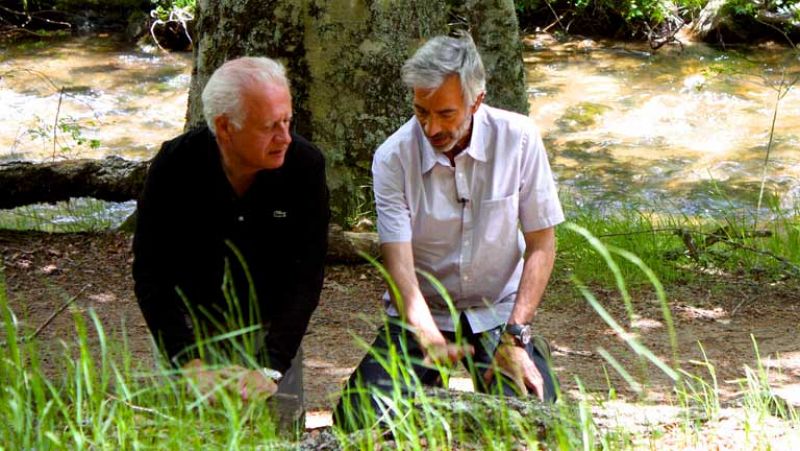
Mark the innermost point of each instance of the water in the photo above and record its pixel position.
(672, 131)
(116, 99)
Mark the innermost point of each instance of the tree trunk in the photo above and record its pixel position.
(707, 21)
(344, 59)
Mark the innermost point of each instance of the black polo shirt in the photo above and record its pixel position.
(198, 244)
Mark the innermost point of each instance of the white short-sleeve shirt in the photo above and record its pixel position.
(463, 222)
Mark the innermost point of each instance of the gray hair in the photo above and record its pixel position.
(442, 57)
(223, 92)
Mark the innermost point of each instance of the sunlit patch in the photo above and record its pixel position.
(327, 367)
(49, 269)
(461, 384)
(689, 312)
(316, 419)
(646, 324)
(787, 363)
(103, 298)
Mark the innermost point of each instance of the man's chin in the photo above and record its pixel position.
(448, 146)
(273, 161)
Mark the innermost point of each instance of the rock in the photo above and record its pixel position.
(581, 116)
(138, 23)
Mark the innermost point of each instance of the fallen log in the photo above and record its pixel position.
(112, 178)
(118, 180)
(348, 247)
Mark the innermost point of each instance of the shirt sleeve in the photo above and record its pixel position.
(394, 215)
(539, 207)
(157, 229)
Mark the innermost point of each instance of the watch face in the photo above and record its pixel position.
(521, 333)
(525, 335)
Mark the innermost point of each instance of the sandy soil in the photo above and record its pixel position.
(44, 271)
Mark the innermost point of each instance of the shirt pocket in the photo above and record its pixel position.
(498, 222)
(497, 244)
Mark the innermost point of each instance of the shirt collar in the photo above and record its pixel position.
(476, 149)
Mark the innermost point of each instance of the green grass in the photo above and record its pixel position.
(682, 249)
(75, 215)
(101, 399)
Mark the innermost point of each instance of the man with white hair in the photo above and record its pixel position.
(231, 236)
(464, 193)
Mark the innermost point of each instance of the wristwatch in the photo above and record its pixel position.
(521, 333)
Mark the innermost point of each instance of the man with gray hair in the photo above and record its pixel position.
(464, 193)
(231, 236)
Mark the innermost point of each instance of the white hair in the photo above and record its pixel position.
(442, 57)
(222, 94)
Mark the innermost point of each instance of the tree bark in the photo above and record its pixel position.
(707, 21)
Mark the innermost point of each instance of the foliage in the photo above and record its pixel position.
(621, 17)
(79, 5)
(632, 18)
(68, 137)
(787, 10)
(751, 7)
(162, 9)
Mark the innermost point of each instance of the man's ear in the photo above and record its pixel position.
(222, 125)
(478, 102)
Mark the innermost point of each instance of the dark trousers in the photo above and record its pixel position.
(292, 381)
(372, 374)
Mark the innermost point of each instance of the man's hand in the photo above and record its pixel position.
(247, 384)
(514, 363)
(439, 352)
(255, 385)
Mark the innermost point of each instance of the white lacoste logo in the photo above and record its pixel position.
(278, 214)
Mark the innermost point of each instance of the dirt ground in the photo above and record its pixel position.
(44, 271)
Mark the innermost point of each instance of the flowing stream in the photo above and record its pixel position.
(672, 131)
(675, 131)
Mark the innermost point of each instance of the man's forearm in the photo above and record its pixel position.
(408, 299)
(166, 320)
(539, 259)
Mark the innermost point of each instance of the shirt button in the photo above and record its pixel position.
(240, 219)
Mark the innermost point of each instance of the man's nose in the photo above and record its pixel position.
(284, 136)
(431, 127)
